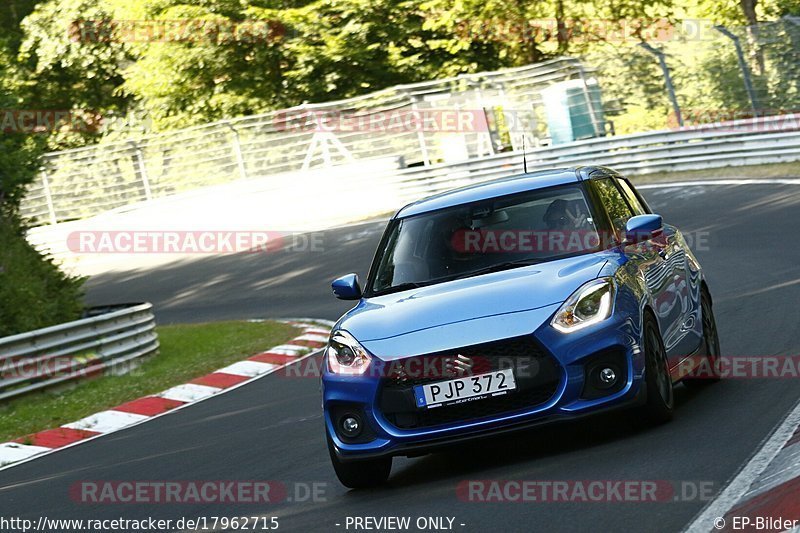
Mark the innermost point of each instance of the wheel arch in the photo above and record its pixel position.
(704, 288)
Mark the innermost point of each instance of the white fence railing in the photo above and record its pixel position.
(67, 352)
(80, 183)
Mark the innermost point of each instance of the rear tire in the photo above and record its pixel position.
(360, 474)
(660, 403)
(709, 369)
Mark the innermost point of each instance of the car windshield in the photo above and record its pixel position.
(485, 236)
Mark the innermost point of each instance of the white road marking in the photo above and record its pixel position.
(316, 322)
(11, 452)
(729, 497)
(189, 392)
(248, 368)
(106, 421)
(287, 349)
(784, 467)
(312, 337)
(318, 331)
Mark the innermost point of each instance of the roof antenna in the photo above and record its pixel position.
(524, 158)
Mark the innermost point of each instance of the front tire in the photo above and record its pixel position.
(360, 474)
(660, 403)
(710, 374)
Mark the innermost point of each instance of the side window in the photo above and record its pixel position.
(618, 209)
(633, 200)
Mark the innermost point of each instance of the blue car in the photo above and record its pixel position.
(499, 306)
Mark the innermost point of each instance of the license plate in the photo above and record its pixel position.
(465, 389)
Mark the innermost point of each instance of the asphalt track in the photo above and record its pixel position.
(272, 428)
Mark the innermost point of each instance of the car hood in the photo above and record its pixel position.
(467, 311)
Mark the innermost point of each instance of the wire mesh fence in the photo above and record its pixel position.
(406, 121)
(718, 74)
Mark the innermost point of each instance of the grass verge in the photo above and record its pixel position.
(188, 351)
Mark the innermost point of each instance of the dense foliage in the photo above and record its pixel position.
(34, 293)
(98, 55)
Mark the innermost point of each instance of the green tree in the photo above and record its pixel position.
(68, 64)
(34, 293)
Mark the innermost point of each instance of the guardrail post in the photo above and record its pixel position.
(423, 148)
(589, 103)
(748, 84)
(484, 139)
(667, 79)
(48, 195)
(138, 157)
(237, 151)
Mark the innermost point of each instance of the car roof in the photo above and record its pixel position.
(496, 188)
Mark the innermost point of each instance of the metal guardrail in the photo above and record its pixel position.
(75, 350)
(376, 186)
(755, 141)
(760, 140)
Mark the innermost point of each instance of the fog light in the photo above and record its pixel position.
(351, 426)
(605, 373)
(608, 376)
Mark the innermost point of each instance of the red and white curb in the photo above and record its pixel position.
(767, 488)
(314, 336)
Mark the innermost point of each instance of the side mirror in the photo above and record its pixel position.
(347, 287)
(643, 228)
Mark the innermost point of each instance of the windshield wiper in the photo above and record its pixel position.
(402, 287)
(492, 268)
(507, 265)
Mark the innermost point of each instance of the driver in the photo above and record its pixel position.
(560, 216)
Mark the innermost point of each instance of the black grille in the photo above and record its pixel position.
(536, 373)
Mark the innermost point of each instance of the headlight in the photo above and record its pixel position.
(346, 355)
(590, 304)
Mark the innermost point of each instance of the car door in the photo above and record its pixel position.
(654, 261)
(682, 287)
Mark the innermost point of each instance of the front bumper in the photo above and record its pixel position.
(573, 353)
